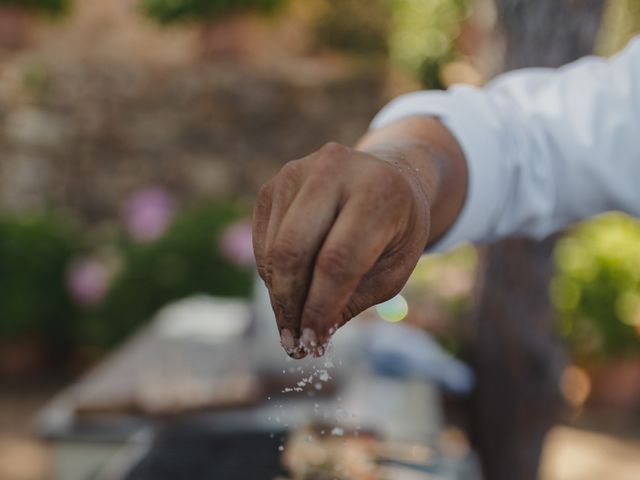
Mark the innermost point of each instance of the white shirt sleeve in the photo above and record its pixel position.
(544, 147)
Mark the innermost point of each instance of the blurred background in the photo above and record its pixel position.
(134, 135)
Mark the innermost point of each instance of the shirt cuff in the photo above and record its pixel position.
(467, 113)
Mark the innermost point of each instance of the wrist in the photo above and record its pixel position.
(414, 160)
(428, 152)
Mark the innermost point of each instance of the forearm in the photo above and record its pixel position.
(543, 147)
(426, 146)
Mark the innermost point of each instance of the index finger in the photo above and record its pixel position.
(264, 217)
(294, 249)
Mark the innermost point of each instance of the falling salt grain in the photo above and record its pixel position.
(338, 432)
(280, 448)
(318, 386)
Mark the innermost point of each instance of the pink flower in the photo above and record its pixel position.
(88, 280)
(236, 243)
(148, 213)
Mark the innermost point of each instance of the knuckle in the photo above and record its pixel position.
(289, 178)
(336, 262)
(326, 164)
(334, 149)
(264, 271)
(285, 255)
(265, 191)
(291, 170)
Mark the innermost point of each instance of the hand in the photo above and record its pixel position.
(334, 234)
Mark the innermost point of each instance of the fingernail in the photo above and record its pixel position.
(319, 351)
(298, 354)
(286, 339)
(308, 340)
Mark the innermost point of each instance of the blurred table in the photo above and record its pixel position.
(188, 371)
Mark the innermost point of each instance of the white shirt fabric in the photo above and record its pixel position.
(544, 147)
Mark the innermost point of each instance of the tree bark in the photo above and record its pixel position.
(517, 358)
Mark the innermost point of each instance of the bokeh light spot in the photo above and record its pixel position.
(575, 385)
(393, 310)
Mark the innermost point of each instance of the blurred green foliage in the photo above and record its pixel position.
(418, 35)
(423, 33)
(49, 7)
(621, 22)
(596, 290)
(186, 260)
(35, 80)
(354, 26)
(169, 11)
(35, 251)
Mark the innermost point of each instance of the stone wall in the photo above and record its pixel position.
(87, 115)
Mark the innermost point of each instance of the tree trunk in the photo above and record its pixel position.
(516, 355)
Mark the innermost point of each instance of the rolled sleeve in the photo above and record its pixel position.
(544, 147)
